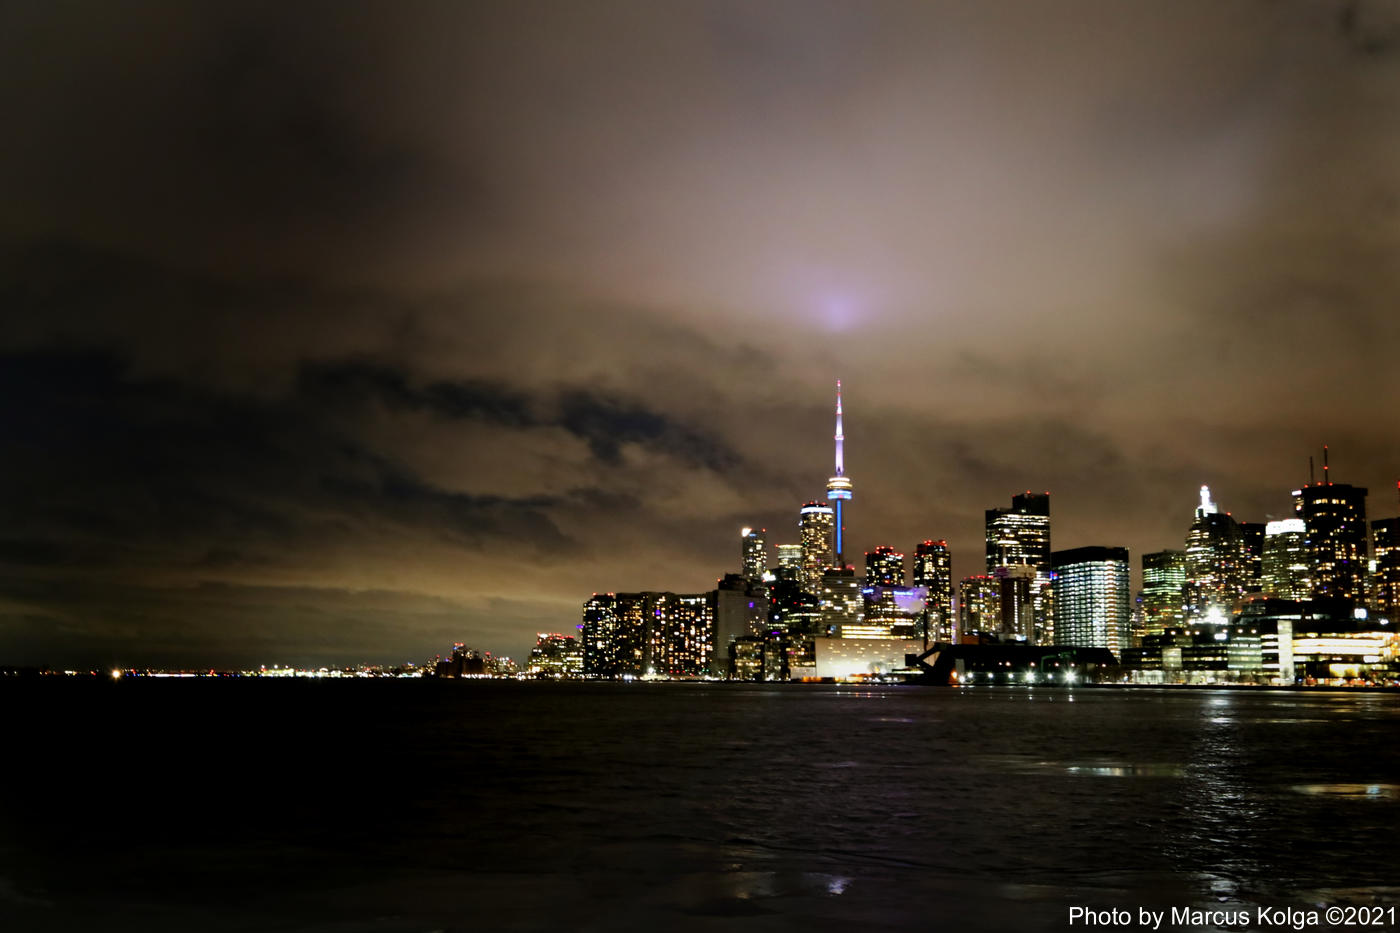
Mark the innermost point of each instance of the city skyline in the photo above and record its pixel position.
(339, 335)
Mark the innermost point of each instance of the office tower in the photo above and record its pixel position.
(754, 553)
(1015, 584)
(739, 609)
(884, 566)
(1386, 582)
(790, 557)
(1252, 537)
(1216, 564)
(1163, 582)
(842, 605)
(979, 605)
(1335, 517)
(1020, 535)
(814, 525)
(838, 487)
(556, 655)
(1286, 565)
(1092, 608)
(933, 572)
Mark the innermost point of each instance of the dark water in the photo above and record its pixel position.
(413, 806)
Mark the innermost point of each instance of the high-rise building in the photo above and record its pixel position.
(1216, 564)
(1335, 516)
(1287, 573)
(790, 557)
(637, 634)
(1252, 536)
(838, 487)
(755, 553)
(1015, 583)
(884, 566)
(842, 606)
(739, 609)
(814, 525)
(556, 655)
(1092, 608)
(1020, 536)
(933, 572)
(1386, 534)
(1163, 583)
(979, 605)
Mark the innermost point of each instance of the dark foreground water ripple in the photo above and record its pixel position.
(387, 806)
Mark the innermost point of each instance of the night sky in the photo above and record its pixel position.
(338, 333)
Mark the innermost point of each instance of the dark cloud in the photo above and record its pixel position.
(344, 326)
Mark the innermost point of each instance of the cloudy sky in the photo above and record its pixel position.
(338, 333)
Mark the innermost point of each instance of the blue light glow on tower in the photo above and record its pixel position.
(838, 488)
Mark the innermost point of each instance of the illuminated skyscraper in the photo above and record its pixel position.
(1020, 535)
(842, 606)
(1386, 534)
(1014, 589)
(933, 571)
(1252, 536)
(884, 566)
(1216, 564)
(1092, 608)
(790, 557)
(1286, 566)
(633, 634)
(979, 605)
(1163, 583)
(755, 553)
(814, 524)
(1335, 516)
(838, 487)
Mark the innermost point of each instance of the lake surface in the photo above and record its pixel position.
(424, 805)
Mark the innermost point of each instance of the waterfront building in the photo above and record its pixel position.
(556, 655)
(814, 524)
(933, 572)
(1092, 597)
(979, 606)
(1016, 585)
(739, 608)
(1335, 517)
(863, 658)
(1287, 573)
(1386, 590)
(1216, 564)
(1163, 583)
(648, 634)
(1020, 536)
(754, 553)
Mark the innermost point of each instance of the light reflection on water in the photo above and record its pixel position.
(627, 809)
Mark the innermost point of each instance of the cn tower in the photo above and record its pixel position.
(838, 488)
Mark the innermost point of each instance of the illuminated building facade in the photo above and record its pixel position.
(556, 655)
(1015, 590)
(814, 524)
(1092, 607)
(739, 609)
(979, 605)
(1287, 573)
(789, 557)
(1020, 536)
(1217, 570)
(884, 566)
(933, 571)
(842, 605)
(1385, 533)
(754, 553)
(1163, 582)
(648, 634)
(1252, 537)
(1335, 517)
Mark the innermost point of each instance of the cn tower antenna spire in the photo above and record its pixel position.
(840, 438)
(838, 488)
